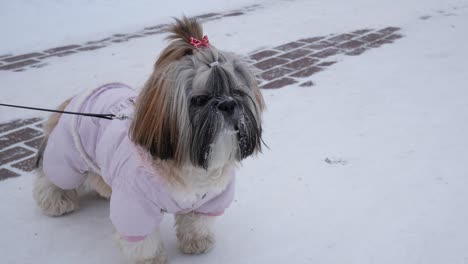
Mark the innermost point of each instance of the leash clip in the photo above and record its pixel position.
(122, 117)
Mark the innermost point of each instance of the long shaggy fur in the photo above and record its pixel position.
(197, 116)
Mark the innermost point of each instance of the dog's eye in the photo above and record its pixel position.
(200, 100)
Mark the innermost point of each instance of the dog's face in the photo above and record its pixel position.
(201, 106)
(224, 111)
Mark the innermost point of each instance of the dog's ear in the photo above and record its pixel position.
(160, 124)
(160, 121)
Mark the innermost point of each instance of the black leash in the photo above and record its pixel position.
(105, 116)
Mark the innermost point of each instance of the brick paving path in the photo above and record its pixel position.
(19, 142)
(22, 62)
(293, 62)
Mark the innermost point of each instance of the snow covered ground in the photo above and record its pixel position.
(395, 116)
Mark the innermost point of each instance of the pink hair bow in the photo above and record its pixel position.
(200, 43)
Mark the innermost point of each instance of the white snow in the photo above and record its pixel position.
(396, 118)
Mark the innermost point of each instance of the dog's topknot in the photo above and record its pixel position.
(180, 33)
(185, 28)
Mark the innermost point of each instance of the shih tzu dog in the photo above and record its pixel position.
(174, 151)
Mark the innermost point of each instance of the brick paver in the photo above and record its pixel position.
(311, 40)
(18, 65)
(22, 57)
(301, 63)
(270, 63)
(275, 73)
(26, 165)
(18, 136)
(319, 45)
(63, 48)
(279, 83)
(13, 154)
(5, 173)
(307, 72)
(290, 46)
(17, 124)
(295, 54)
(263, 54)
(307, 84)
(35, 143)
(291, 63)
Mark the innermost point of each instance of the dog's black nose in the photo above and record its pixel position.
(227, 106)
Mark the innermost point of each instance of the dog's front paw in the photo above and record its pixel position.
(197, 245)
(194, 233)
(150, 250)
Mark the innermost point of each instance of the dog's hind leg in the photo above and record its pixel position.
(53, 200)
(94, 182)
(50, 198)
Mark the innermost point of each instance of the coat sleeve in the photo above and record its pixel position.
(218, 204)
(133, 216)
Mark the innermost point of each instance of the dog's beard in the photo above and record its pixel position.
(214, 139)
(224, 149)
(219, 139)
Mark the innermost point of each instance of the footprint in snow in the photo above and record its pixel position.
(336, 161)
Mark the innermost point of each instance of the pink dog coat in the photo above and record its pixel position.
(79, 145)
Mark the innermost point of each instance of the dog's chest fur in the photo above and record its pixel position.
(189, 184)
